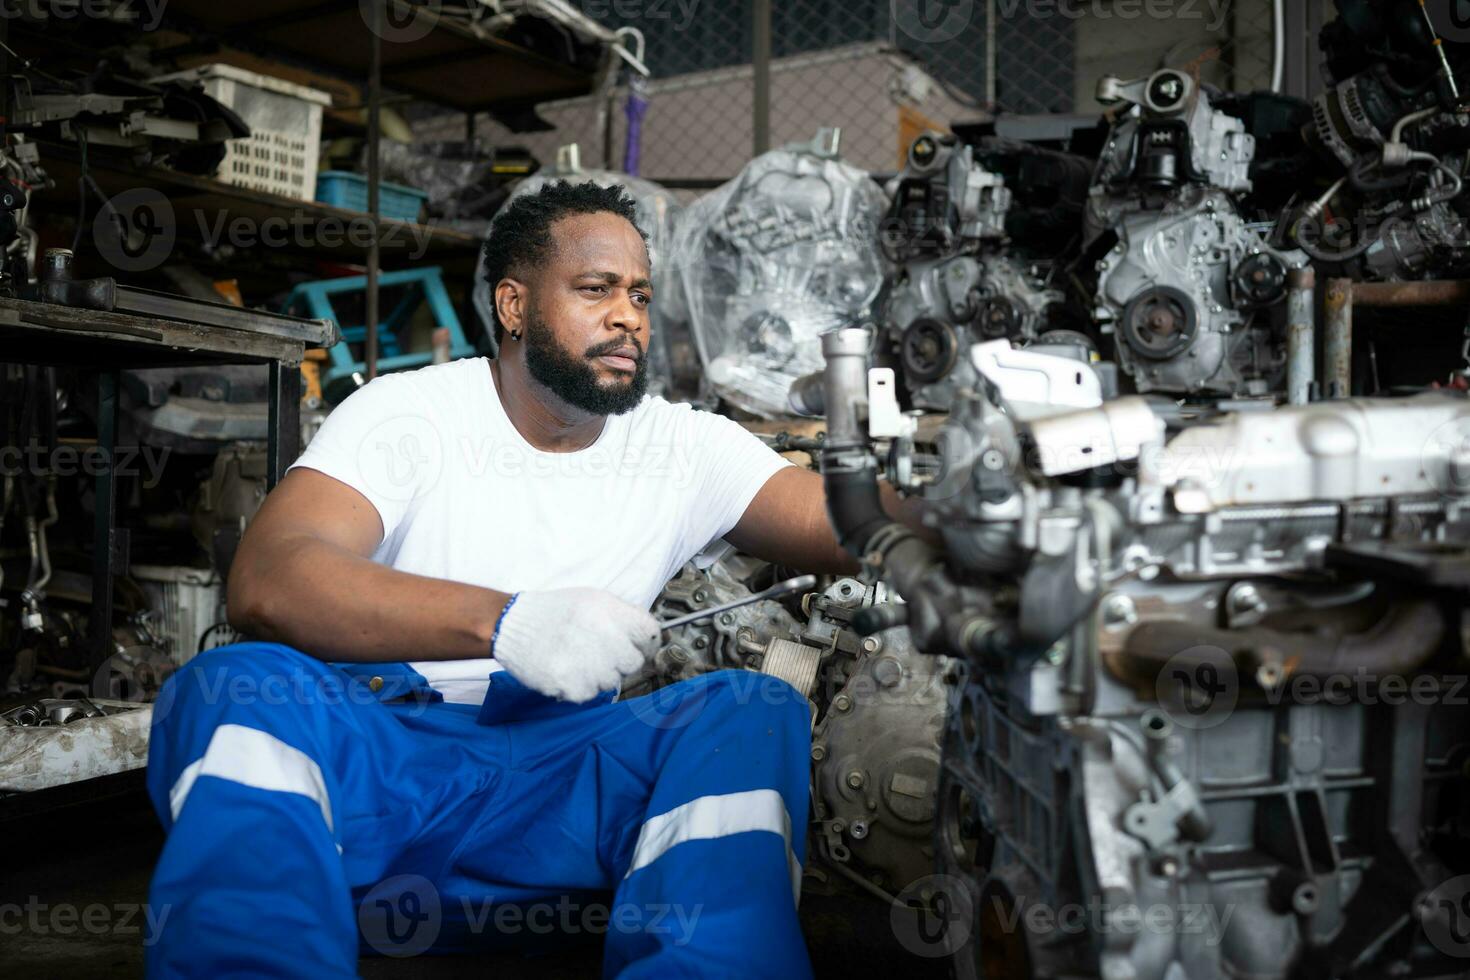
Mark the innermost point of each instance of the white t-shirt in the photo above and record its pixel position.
(463, 496)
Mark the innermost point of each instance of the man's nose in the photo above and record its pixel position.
(624, 315)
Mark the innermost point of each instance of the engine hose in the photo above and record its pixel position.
(1352, 253)
(850, 473)
(1358, 179)
(856, 507)
(937, 613)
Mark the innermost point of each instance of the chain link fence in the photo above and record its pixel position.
(881, 70)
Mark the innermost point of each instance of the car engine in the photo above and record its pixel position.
(1392, 130)
(878, 710)
(955, 281)
(1191, 292)
(1203, 699)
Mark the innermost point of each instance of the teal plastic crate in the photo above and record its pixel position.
(343, 189)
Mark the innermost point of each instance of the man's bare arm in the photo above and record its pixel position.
(787, 523)
(303, 576)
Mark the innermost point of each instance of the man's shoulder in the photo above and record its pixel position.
(655, 412)
(451, 375)
(432, 385)
(656, 418)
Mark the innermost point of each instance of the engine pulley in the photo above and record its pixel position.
(1159, 322)
(929, 350)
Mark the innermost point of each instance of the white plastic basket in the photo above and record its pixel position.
(285, 120)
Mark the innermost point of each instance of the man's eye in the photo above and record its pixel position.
(594, 289)
(642, 299)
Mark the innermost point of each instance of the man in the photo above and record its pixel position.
(449, 586)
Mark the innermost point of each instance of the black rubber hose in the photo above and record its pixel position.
(1357, 178)
(855, 507)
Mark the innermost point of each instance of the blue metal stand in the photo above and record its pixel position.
(424, 285)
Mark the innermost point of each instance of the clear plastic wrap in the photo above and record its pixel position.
(657, 212)
(464, 190)
(770, 261)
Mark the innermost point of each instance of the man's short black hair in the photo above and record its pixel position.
(520, 236)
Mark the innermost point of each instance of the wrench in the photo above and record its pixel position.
(780, 588)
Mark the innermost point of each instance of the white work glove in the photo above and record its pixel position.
(572, 644)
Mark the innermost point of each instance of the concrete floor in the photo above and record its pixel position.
(71, 883)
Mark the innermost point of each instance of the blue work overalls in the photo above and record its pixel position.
(315, 810)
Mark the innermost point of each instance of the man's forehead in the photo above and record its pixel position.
(590, 239)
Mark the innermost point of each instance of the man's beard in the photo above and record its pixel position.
(573, 377)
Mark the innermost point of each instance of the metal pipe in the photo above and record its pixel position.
(1278, 43)
(761, 65)
(845, 384)
(375, 97)
(1442, 292)
(1444, 61)
(42, 527)
(1396, 136)
(104, 526)
(990, 56)
(1300, 335)
(1337, 351)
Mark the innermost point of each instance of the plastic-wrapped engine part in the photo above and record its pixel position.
(657, 211)
(768, 262)
(464, 189)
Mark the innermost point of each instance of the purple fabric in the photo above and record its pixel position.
(636, 107)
